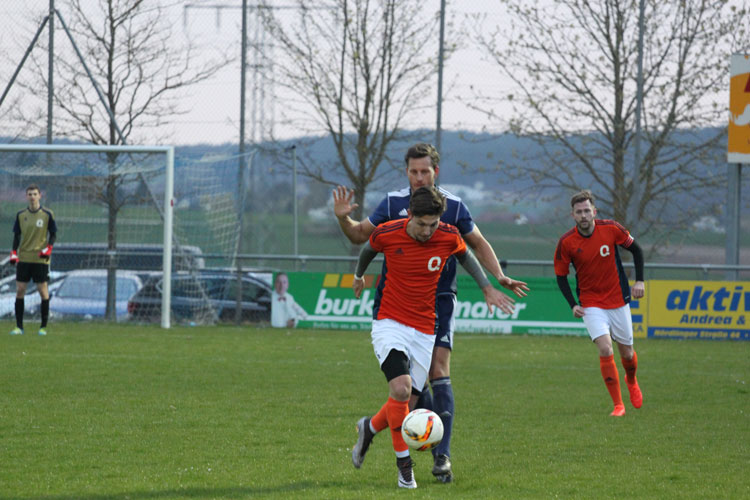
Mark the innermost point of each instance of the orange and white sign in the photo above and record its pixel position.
(739, 109)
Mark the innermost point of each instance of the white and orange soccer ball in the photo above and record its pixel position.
(422, 429)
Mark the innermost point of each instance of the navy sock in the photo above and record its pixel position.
(19, 313)
(442, 393)
(425, 399)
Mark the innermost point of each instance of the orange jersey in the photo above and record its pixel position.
(600, 278)
(411, 272)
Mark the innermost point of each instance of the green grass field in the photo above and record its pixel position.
(97, 411)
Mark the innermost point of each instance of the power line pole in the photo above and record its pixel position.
(241, 169)
(438, 127)
(50, 69)
(637, 192)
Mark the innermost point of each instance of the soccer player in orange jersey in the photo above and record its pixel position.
(422, 163)
(603, 291)
(415, 249)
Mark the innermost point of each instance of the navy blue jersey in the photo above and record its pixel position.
(395, 205)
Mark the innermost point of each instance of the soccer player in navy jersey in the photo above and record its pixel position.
(34, 233)
(603, 291)
(403, 330)
(422, 168)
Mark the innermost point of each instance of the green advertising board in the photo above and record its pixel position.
(329, 302)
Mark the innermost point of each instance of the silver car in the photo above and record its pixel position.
(32, 300)
(83, 294)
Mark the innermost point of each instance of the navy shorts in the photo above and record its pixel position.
(26, 271)
(446, 323)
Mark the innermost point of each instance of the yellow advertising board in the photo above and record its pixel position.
(699, 309)
(739, 109)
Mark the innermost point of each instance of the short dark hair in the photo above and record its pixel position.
(31, 187)
(420, 150)
(582, 196)
(279, 275)
(427, 201)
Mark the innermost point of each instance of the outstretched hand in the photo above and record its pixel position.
(342, 201)
(518, 287)
(496, 298)
(358, 285)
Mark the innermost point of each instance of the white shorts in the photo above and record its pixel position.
(616, 322)
(388, 334)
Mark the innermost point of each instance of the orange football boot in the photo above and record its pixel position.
(619, 411)
(636, 396)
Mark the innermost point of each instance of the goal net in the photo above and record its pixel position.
(129, 230)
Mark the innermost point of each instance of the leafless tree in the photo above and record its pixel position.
(574, 67)
(142, 71)
(355, 69)
(137, 59)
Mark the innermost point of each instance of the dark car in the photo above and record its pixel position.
(136, 257)
(203, 297)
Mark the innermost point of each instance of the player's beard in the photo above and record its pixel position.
(584, 227)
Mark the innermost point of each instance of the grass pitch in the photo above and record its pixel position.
(97, 411)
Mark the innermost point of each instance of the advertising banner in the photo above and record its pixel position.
(670, 309)
(328, 302)
(699, 309)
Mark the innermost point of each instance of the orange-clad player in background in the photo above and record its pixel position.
(603, 291)
(403, 329)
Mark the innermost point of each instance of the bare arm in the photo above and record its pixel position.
(486, 256)
(356, 232)
(492, 296)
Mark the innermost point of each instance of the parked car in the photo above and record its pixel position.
(131, 256)
(83, 294)
(203, 297)
(31, 299)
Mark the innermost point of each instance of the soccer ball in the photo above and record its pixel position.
(422, 429)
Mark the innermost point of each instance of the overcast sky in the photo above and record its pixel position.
(213, 106)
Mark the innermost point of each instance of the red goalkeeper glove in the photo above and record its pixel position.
(46, 252)
(13, 257)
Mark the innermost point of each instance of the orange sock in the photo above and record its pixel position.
(380, 420)
(611, 377)
(397, 412)
(630, 365)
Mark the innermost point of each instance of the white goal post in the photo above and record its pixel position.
(38, 169)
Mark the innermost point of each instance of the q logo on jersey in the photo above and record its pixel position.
(39, 223)
(434, 264)
(604, 251)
